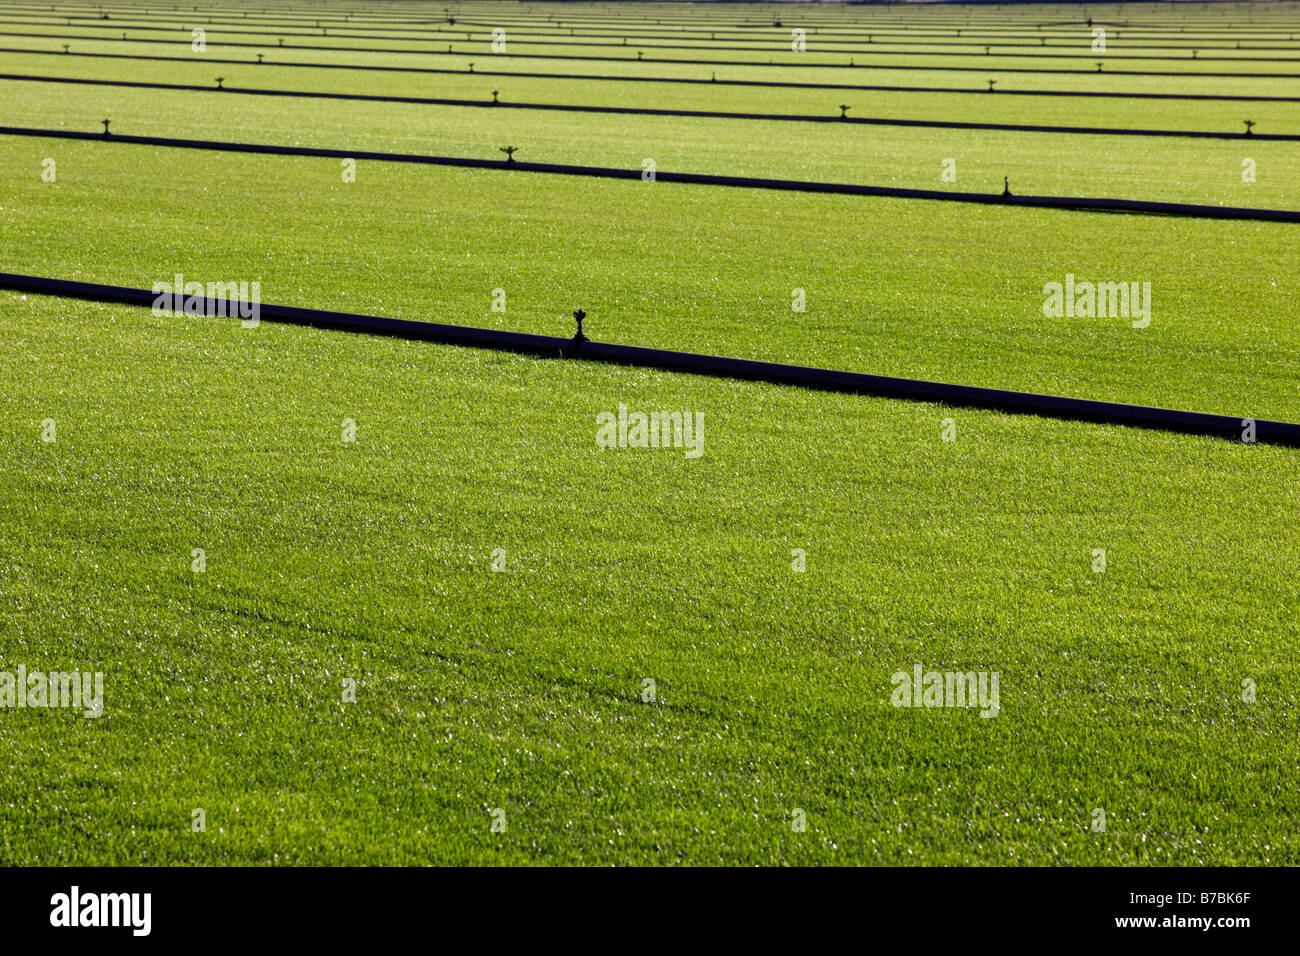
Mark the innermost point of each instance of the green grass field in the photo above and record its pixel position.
(504, 716)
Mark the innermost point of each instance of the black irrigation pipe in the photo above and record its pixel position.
(877, 35)
(699, 38)
(680, 61)
(866, 33)
(823, 28)
(582, 348)
(821, 32)
(834, 25)
(1264, 18)
(897, 67)
(771, 84)
(1074, 203)
(875, 47)
(653, 111)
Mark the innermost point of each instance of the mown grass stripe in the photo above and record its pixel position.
(882, 386)
(1059, 50)
(659, 111)
(1072, 203)
(712, 81)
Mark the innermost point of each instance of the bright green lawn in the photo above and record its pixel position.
(1178, 170)
(521, 690)
(934, 290)
(799, 68)
(197, 68)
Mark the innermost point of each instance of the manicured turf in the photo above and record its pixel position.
(1175, 170)
(952, 292)
(524, 690)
